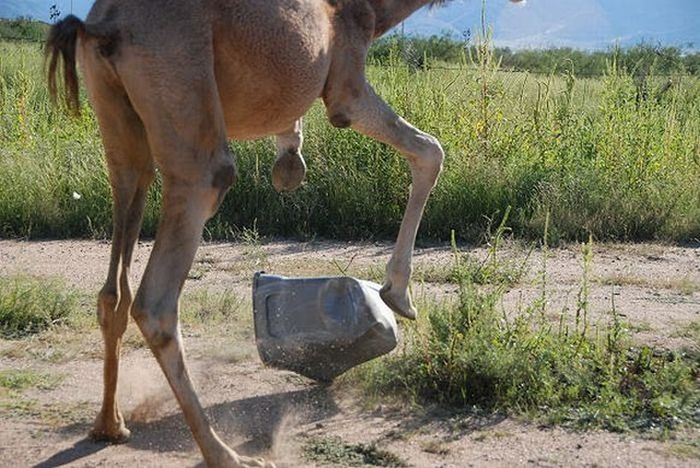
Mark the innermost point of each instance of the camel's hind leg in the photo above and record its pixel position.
(367, 113)
(290, 168)
(188, 141)
(130, 173)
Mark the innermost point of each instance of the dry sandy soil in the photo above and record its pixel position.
(274, 413)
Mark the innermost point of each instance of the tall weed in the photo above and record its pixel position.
(472, 353)
(595, 155)
(29, 305)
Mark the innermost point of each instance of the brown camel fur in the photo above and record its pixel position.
(170, 82)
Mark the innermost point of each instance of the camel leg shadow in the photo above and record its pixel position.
(82, 448)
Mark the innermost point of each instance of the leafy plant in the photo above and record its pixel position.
(333, 451)
(473, 354)
(29, 305)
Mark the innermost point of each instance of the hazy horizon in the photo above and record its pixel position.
(585, 24)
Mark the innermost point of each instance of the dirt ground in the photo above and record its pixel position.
(274, 413)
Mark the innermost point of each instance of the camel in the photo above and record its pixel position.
(170, 82)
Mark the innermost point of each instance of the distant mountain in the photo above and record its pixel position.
(39, 9)
(584, 24)
(13, 8)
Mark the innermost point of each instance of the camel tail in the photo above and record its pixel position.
(60, 46)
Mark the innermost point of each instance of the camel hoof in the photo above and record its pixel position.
(398, 301)
(247, 462)
(288, 172)
(229, 458)
(115, 433)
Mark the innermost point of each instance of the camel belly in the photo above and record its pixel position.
(252, 111)
(271, 63)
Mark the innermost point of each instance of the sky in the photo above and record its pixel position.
(583, 24)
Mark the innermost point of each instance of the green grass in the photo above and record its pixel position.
(23, 29)
(419, 51)
(22, 379)
(13, 401)
(335, 452)
(56, 414)
(691, 331)
(204, 307)
(589, 152)
(31, 305)
(50, 322)
(685, 450)
(472, 354)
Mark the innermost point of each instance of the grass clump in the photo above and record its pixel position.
(691, 331)
(13, 382)
(492, 269)
(30, 305)
(22, 379)
(333, 451)
(472, 354)
(213, 308)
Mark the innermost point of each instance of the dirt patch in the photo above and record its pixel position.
(277, 414)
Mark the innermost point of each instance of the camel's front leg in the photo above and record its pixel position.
(289, 169)
(186, 206)
(370, 115)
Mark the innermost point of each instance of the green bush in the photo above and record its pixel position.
(22, 29)
(30, 305)
(472, 354)
(603, 156)
(640, 60)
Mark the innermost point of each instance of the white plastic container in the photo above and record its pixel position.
(320, 327)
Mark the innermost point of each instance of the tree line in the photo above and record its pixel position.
(642, 59)
(422, 52)
(22, 29)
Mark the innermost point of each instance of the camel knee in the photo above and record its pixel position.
(106, 305)
(146, 176)
(158, 323)
(222, 177)
(429, 156)
(108, 311)
(341, 111)
(339, 119)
